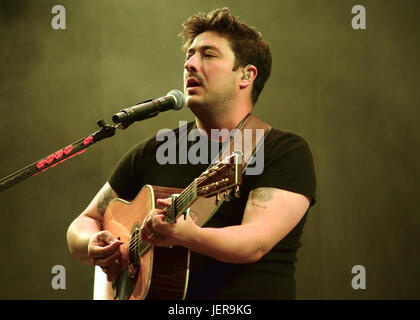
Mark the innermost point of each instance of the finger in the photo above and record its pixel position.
(148, 222)
(102, 239)
(145, 233)
(106, 236)
(157, 220)
(146, 228)
(191, 216)
(112, 268)
(149, 217)
(154, 218)
(109, 261)
(159, 241)
(97, 252)
(165, 202)
(154, 239)
(111, 275)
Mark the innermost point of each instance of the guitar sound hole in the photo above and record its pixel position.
(133, 256)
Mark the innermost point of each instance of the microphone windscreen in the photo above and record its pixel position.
(179, 99)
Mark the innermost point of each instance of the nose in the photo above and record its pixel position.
(192, 64)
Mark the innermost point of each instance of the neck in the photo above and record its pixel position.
(227, 121)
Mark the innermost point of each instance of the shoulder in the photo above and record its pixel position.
(149, 145)
(281, 142)
(287, 164)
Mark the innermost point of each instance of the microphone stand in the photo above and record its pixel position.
(81, 145)
(60, 156)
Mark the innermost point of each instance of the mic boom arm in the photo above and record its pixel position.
(150, 108)
(58, 157)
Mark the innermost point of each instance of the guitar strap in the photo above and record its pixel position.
(250, 128)
(248, 138)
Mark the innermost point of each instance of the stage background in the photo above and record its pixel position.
(352, 94)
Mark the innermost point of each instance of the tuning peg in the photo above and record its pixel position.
(227, 196)
(217, 199)
(237, 192)
(216, 167)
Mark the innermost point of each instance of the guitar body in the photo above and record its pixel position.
(149, 272)
(141, 278)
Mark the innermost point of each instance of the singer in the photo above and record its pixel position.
(247, 250)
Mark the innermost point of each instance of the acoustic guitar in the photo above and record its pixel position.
(149, 272)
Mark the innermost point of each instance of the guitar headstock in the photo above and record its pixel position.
(221, 178)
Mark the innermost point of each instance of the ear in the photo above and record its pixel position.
(248, 76)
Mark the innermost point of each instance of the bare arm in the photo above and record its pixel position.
(270, 214)
(89, 223)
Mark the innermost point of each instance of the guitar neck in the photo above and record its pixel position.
(181, 203)
(172, 212)
(220, 177)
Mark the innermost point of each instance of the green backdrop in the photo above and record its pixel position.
(352, 94)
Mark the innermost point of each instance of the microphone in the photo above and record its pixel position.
(174, 99)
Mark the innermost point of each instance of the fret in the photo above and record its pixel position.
(186, 198)
(182, 203)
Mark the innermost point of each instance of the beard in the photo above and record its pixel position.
(213, 105)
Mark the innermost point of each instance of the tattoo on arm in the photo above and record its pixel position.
(262, 194)
(257, 205)
(258, 197)
(104, 199)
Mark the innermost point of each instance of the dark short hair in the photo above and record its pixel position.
(246, 42)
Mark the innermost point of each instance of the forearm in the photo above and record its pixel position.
(234, 244)
(78, 236)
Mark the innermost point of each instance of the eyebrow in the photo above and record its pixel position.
(202, 48)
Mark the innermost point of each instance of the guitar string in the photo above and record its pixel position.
(180, 202)
(136, 242)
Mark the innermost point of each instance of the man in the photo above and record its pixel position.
(248, 248)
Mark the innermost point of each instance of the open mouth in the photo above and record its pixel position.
(193, 82)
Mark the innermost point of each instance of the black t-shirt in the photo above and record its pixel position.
(288, 165)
